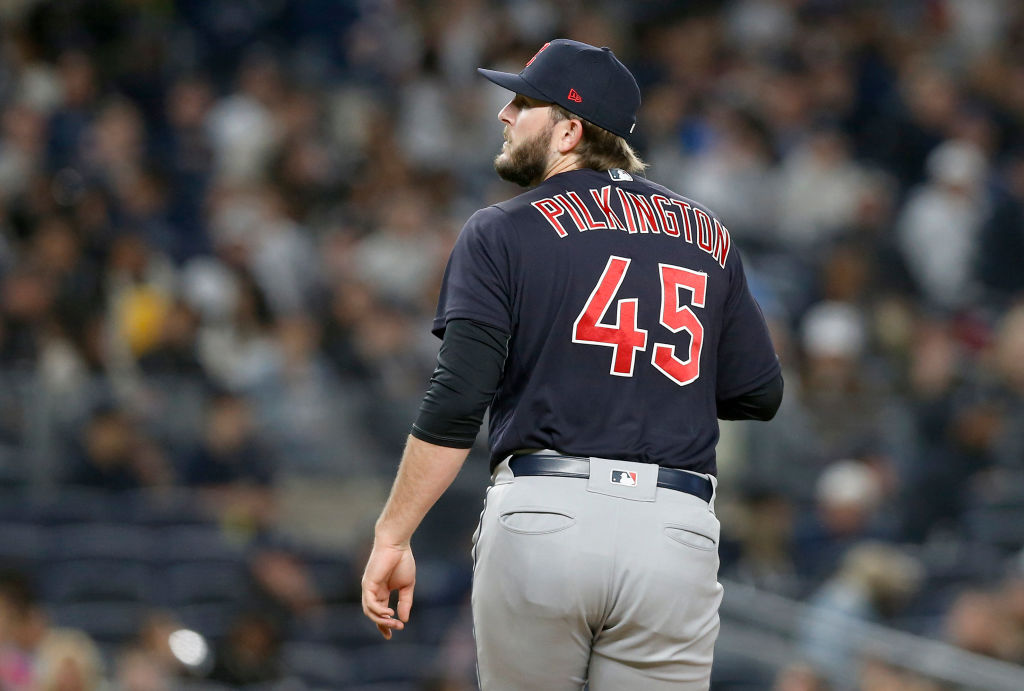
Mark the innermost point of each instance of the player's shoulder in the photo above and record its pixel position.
(486, 220)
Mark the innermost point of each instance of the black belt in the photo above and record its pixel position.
(576, 466)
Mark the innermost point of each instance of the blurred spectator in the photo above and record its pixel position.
(116, 456)
(765, 533)
(834, 408)
(137, 671)
(283, 587)
(799, 677)
(981, 623)
(820, 189)
(398, 260)
(148, 663)
(68, 660)
(941, 223)
(1002, 240)
(298, 406)
(241, 125)
(846, 513)
(175, 353)
(733, 175)
(232, 467)
(874, 582)
(250, 653)
(230, 452)
(23, 626)
(878, 675)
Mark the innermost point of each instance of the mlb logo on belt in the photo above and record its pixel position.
(623, 477)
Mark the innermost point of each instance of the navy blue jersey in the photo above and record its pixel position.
(628, 313)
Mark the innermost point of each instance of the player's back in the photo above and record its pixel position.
(616, 291)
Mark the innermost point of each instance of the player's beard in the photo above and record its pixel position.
(525, 163)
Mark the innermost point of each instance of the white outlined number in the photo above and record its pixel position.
(625, 337)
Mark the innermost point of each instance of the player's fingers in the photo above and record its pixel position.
(385, 624)
(405, 602)
(375, 602)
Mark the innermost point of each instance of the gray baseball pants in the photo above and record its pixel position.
(578, 581)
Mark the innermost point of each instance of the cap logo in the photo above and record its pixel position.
(573, 96)
(538, 53)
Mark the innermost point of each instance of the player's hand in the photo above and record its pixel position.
(389, 568)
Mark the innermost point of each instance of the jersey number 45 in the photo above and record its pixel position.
(625, 337)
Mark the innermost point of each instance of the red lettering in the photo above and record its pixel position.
(644, 214)
(667, 221)
(592, 223)
(604, 203)
(683, 208)
(550, 209)
(722, 244)
(704, 240)
(627, 211)
(572, 212)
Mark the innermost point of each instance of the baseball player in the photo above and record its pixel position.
(606, 322)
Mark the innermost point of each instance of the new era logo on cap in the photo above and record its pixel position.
(573, 96)
(623, 477)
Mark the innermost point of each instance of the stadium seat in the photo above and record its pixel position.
(100, 541)
(430, 625)
(22, 542)
(76, 505)
(166, 509)
(334, 579)
(344, 626)
(286, 684)
(183, 543)
(999, 526)
(15, 507)
(396, 662)
(204, 582)
(212, 619)
(319, 665)
(107, 622)
(95, 580)
(201, 685)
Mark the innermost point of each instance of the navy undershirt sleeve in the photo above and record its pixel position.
(468, 372)
(760, 404)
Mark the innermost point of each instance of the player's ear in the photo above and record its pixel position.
(568, 134)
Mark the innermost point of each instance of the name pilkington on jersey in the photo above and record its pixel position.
(637, 214)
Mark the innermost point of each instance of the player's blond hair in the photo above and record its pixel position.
(600, 149)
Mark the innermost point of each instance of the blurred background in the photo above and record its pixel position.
(222, 230)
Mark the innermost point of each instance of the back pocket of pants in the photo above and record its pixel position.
(690, 536)
(536, 520)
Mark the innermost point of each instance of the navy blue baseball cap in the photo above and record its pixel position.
(587, 81)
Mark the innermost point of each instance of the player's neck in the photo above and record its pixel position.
(562, 164)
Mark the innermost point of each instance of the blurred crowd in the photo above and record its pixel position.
(223, 227)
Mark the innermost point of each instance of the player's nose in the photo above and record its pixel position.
(507, 114)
